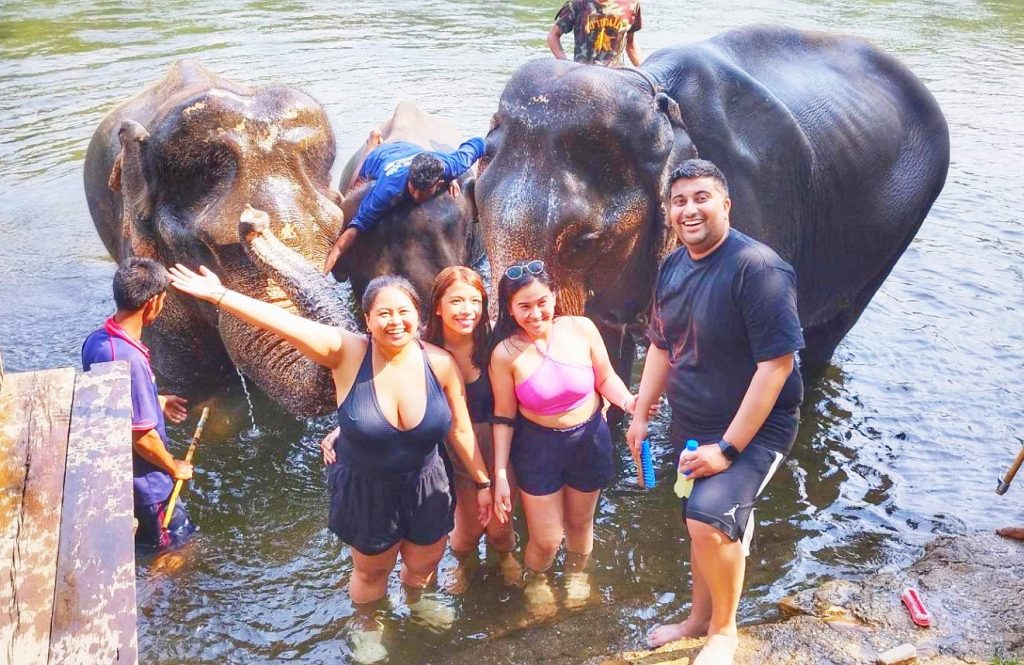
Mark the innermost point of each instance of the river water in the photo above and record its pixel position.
(902, 439)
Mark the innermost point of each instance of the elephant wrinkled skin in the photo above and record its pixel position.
(167, 176)
(834, 153)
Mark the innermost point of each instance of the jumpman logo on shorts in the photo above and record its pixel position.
(731, 513)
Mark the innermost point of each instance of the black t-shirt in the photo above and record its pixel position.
(718, 317)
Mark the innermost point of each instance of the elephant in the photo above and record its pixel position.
(168, 174)
(834, 153)
(415, 241)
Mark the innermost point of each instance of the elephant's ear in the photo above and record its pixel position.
(128, 177)
(684, 148)
(469, 191)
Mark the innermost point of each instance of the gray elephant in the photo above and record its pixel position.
(168, 174)
(834, 153)
(413, 240)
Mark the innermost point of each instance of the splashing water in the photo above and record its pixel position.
(255, 431)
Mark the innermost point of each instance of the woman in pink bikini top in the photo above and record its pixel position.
(549, 375)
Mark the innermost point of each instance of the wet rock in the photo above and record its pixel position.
(972, 585)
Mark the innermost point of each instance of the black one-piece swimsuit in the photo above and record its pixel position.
(388, 484)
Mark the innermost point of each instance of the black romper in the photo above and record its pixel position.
(387, 484)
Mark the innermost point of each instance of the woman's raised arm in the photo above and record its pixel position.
(321, 343)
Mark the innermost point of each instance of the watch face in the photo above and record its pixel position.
(728, 450)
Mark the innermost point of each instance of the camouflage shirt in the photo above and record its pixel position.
(599, 28)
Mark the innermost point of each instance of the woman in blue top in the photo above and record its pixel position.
(398, 400)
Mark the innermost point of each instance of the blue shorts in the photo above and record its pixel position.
(546, 459)
(726, 500)
(150, 532)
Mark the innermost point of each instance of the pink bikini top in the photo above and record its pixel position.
(555, 387)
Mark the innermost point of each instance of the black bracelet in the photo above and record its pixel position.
(221, 298)
(502, 420)
(485, 485)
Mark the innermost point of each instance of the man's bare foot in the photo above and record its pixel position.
(670, 632)
(374, 138)
(1015, 532)
(719, 650)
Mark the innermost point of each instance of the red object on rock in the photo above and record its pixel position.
(919, 614)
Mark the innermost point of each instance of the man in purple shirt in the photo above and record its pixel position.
(140, 286)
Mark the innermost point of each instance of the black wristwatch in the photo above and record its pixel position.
(728, 450)
(486, 485)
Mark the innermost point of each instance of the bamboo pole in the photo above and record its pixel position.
(188, 458)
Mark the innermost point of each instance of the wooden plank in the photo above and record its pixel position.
(34, 413)
(94, 605)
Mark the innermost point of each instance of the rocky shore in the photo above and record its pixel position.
(973, 586)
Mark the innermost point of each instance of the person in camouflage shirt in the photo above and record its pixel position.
(603, 31)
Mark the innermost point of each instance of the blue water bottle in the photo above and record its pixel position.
(647, 463)
(684, 484)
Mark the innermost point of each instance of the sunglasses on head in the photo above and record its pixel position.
(531, 267)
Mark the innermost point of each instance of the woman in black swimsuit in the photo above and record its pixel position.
(398, 400)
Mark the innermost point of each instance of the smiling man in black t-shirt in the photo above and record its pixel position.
(724, 335)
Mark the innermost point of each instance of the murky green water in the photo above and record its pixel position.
(902, 439)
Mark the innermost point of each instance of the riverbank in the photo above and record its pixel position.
(973, 586)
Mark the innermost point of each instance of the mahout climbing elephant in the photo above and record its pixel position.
(413, 240)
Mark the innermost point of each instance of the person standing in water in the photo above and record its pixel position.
(724, 335)
(140, 287)
(398, 400)
(458, 323)
(549, 374)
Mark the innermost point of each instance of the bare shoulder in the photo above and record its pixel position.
(503, 354)
(353, 346)
(440, 360)
(581, 324)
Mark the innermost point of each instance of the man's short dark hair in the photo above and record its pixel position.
(136, 281)
(699, 168)
(425, 171)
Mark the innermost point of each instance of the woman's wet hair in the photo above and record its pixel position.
(425, 171)
(506, 325)
(435, 326)
(136, 281)
(378, 284)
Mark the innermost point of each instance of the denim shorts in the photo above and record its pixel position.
(546, 459)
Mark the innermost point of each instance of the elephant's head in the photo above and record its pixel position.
(575, 172)
(416, 241)
(185, 180)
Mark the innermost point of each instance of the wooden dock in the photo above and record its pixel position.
(67, 555)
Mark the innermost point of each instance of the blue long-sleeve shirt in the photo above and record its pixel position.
(388, 167)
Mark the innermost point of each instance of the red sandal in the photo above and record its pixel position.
(919, 614)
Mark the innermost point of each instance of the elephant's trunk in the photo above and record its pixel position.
(284, 277)
(313, 296)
